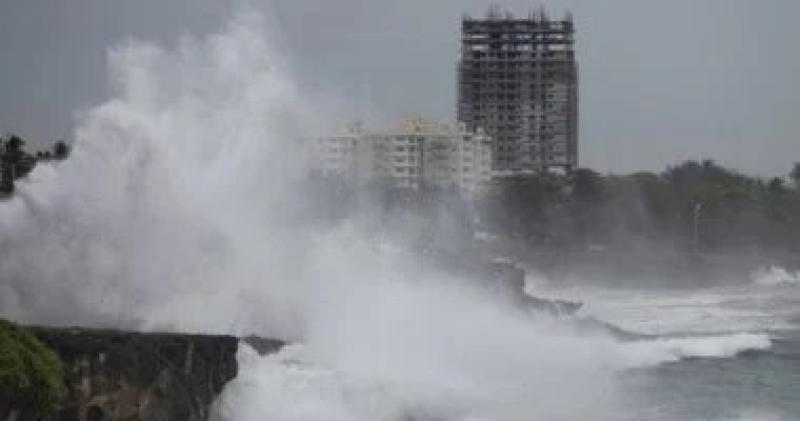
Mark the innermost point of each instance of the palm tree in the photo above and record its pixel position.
(795, 174)
(60, 150)
(7, 153)
(14, 163)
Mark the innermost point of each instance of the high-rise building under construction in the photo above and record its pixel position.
(518, 80)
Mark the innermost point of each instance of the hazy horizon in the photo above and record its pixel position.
(659, 83)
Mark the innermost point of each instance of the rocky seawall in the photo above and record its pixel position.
(114, 375)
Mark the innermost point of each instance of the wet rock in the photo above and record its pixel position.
(113, 375)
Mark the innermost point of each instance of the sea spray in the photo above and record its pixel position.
(178, 209)
(775, 276)
(663, 350)
(170, 203)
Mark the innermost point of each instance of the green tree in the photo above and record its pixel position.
(14, 144)
(8, 156)
(795, 174)
(31, 375)
(14, 163)
(587, 185)
(518, 205)
(776, 185)
(61, 150)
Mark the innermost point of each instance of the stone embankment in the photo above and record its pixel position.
(114, 375)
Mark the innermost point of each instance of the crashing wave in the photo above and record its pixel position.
(664, 350)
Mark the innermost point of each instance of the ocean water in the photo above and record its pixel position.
(757, 385)
(723, 353)
(729, 382)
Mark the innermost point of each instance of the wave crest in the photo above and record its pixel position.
(774, 275)
(658, 351)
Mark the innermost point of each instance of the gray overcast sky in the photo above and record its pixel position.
(661, 81)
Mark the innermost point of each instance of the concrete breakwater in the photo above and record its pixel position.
(116, 375)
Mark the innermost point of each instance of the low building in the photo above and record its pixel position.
(417, 154)
(335, 156)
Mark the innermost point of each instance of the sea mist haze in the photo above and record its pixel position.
(184, 207)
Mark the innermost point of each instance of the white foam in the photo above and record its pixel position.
(658, 351)
(286, 387)
(775, 275)
(718, 310)
(418, 382)
(761, 415)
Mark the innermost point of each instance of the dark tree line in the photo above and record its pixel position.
(691, 206)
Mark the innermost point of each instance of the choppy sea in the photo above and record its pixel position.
(723, 353)
(747, 383)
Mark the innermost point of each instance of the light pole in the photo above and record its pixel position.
(696, 232)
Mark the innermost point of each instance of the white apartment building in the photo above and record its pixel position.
(419, 153)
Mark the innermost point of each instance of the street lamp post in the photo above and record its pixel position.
(696, 231)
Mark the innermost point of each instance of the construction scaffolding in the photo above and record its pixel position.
(518, 81)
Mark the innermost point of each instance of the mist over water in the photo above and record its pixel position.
(182, 207)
